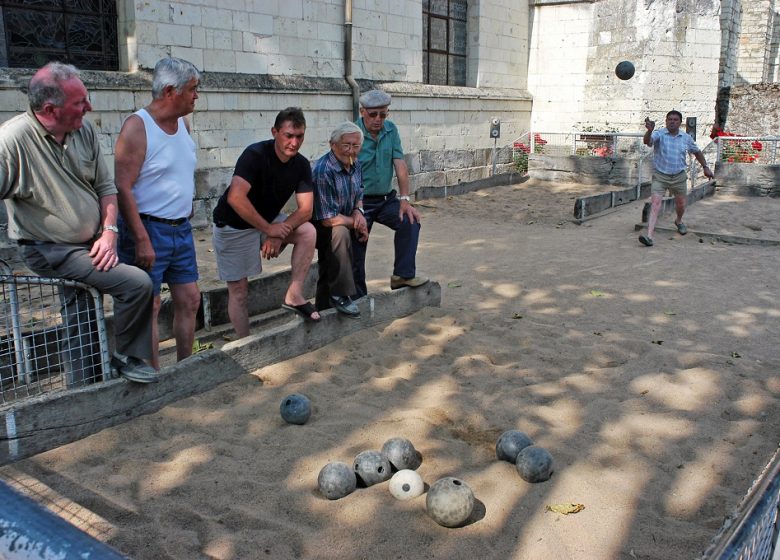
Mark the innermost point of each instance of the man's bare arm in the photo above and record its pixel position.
(103, 250)
(129, 155)
(238, 198)
(402, 174)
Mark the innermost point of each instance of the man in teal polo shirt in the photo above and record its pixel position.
(380, 155)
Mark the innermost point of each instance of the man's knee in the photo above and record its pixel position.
(137, 281)
(238, 291)
(186, 298)
(306, 233)
(341, 236)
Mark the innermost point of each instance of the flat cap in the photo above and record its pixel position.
(374, 98)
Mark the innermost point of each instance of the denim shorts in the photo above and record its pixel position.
(174, 248)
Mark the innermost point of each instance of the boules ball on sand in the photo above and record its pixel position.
(406, 484)
(401, 454)
(510, 443)
(295, 409)
(450, 502)
(336, 480)
(372, 467)
(535, 464)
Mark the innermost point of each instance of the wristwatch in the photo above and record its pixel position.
(360, 209)
(111, 228)
(405, 197)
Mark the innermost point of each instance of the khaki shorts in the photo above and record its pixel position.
(238, 251)
(676, 184)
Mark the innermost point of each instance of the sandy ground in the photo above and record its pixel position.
(652, 375)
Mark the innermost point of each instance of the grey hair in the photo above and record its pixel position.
(46, 85)
(174, 72)
(345, 128)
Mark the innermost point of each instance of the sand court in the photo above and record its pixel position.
(650, 374)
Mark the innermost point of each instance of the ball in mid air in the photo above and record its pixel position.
(624, 70)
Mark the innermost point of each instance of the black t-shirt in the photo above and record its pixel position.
(272, 183)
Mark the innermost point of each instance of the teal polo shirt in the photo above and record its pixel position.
(376, 158)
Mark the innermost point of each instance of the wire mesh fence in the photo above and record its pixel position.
(596, 144)
(747, 149)
(577, 143)
(52, 335)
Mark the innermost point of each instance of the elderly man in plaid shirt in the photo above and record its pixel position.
(338, 218)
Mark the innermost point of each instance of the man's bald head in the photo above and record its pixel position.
(46, 84)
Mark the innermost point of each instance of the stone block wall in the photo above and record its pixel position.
(306, 38)
(612, 171)
(754, 110)
(576, 45)
(748, 179)
(755, 41)
(498, 44)
(445, 131)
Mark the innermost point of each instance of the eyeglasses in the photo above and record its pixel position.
(381, 114)
(348, 147)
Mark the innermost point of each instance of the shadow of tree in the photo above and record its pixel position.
(650, 377)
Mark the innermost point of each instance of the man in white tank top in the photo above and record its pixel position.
(155, 174)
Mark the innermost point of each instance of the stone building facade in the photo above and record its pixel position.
(258, 57)
(542, 64)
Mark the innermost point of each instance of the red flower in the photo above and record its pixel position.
(757, 145)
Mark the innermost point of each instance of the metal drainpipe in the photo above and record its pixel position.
(348, 59)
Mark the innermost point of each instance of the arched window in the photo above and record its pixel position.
(444, 42)
(80, 32)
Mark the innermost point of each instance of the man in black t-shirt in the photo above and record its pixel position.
(249, 225)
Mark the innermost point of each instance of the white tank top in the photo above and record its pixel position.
(166, 184)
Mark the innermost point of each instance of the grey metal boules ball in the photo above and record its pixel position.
(372, 467)
(449, 502)
(535, 464)
(336, 480)
(295, 409)
(401, 454)
(510, 443)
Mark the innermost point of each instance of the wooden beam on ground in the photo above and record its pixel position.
(51, 420)
(266, 293)
(588, 207)
(667, 204)
(498, 180)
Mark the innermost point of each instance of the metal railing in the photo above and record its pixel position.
(752, 532)
(578, 143)
(52, 335)
(619, 144)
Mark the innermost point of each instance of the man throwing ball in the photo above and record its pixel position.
(670, 146)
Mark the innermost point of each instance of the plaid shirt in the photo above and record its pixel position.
(336, 190)
(669, 152)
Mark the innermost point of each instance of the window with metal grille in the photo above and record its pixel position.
(80, 32)
(444, 42)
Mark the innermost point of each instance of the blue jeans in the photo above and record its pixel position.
(385, 210)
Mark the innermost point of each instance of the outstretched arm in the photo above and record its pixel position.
(649, 127)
